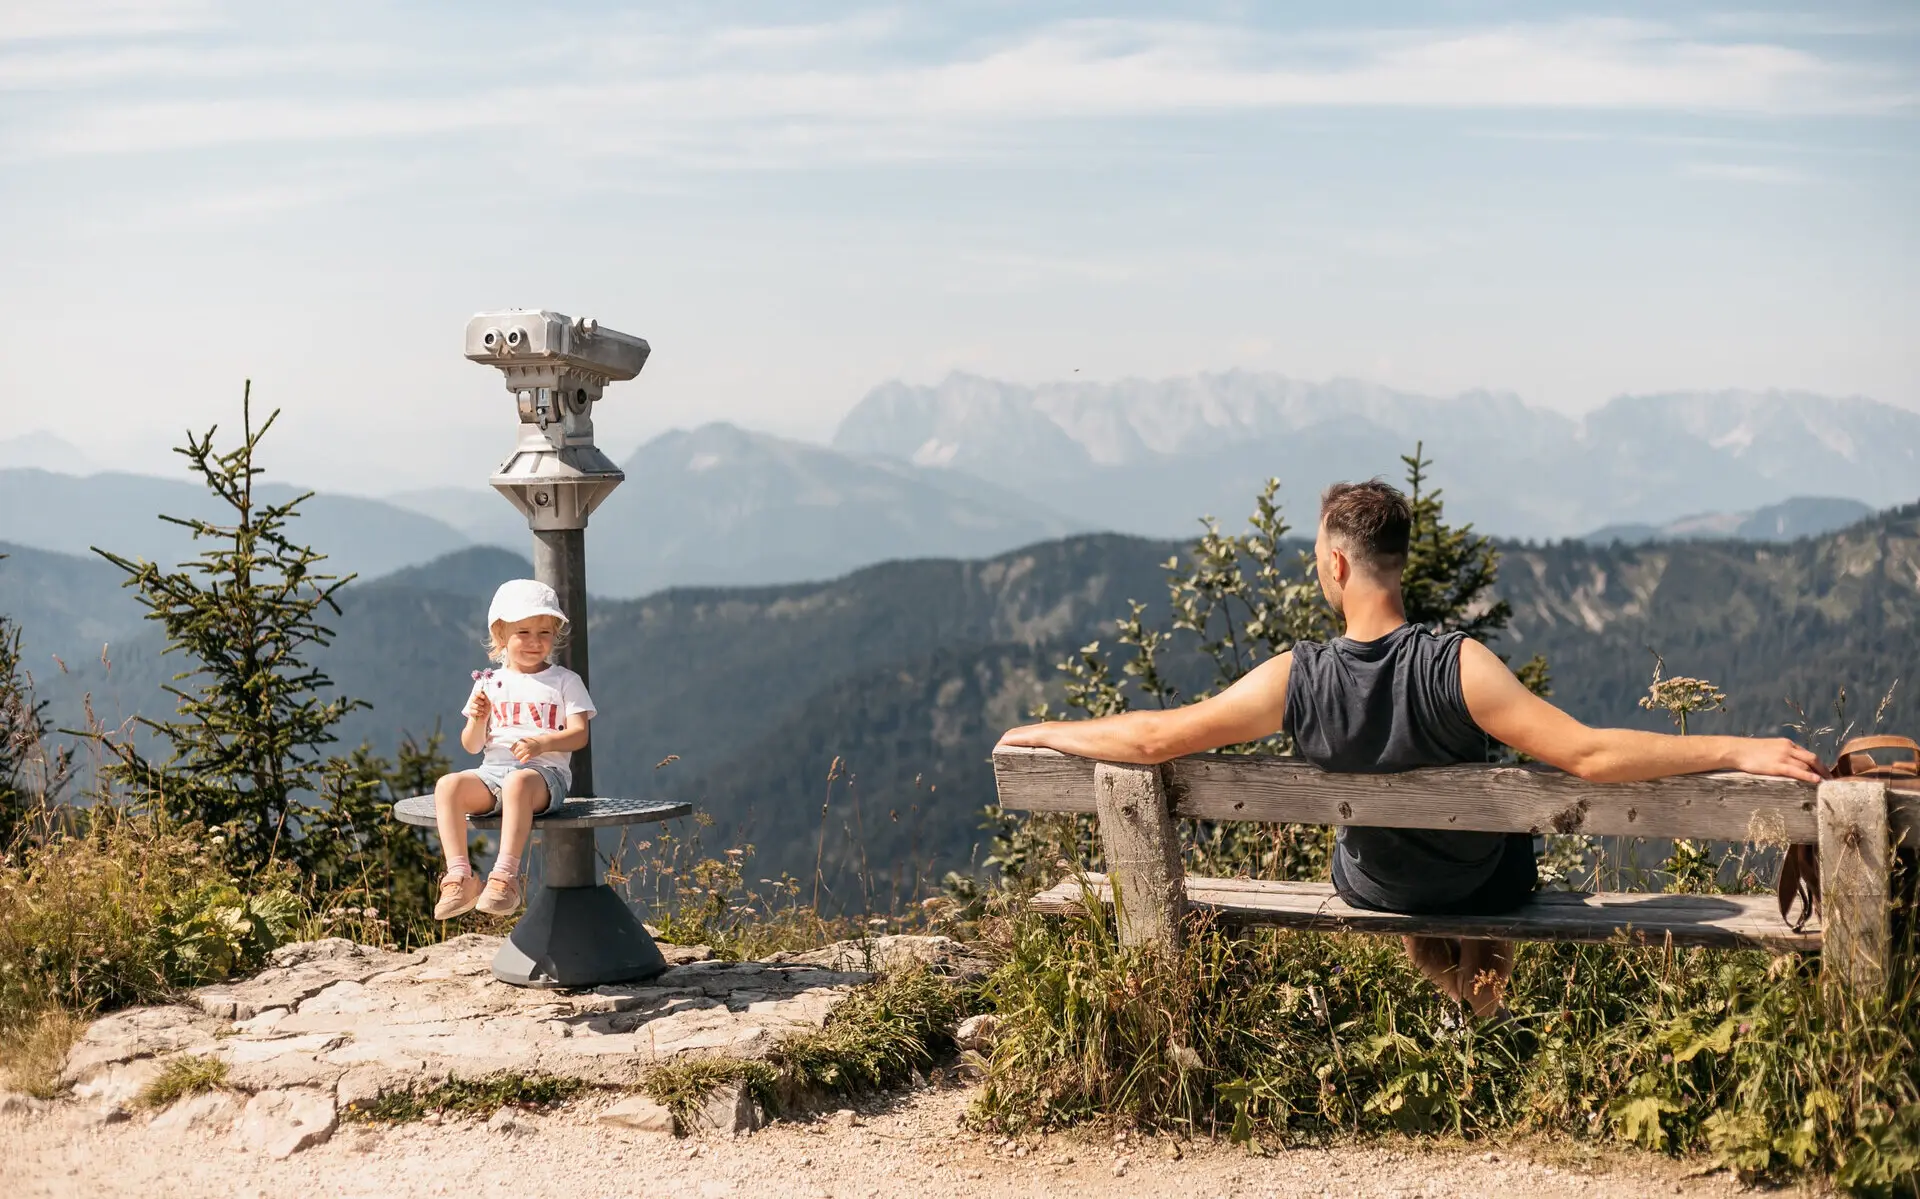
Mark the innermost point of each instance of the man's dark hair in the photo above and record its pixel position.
(1373, 521)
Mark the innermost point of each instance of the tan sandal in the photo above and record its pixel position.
(457, 896)
(502, 896)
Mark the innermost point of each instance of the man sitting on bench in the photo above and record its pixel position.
(1391, 696)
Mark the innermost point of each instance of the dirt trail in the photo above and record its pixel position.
(913, 1146)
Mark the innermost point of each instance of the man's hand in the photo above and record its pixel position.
(1777, 756)
(528, 748)
(1033, 736)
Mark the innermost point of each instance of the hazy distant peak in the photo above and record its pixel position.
(1789, 520)
(42, 450)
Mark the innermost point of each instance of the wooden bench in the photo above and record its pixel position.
(1856, 824)
(577, 931)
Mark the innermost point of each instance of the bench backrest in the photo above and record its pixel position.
(1723, 806)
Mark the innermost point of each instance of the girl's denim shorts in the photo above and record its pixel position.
(494, 775)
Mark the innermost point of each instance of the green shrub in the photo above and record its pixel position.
(125, 911)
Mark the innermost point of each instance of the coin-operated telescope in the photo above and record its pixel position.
(556, 368)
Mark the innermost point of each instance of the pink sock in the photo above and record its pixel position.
(507, 865)
(458, 867)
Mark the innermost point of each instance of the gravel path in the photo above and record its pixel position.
(912, 1146)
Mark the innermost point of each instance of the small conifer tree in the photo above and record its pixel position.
(246, 748)
(245, 745)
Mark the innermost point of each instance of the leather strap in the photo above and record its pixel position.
(1855, 760)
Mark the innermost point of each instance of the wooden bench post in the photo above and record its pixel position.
(1855, 900)
(1142, 852)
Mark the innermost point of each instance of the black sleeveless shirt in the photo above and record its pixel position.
(1377, 707)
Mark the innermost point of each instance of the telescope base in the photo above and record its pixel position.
(577, 937)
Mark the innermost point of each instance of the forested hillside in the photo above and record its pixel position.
(906, 672)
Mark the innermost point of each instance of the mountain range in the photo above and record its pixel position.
(1147, 456)
(973, 467)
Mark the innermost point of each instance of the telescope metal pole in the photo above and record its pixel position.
(560, 561)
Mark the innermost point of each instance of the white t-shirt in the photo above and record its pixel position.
(526, 704)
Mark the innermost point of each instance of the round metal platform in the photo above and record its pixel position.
(578, 813)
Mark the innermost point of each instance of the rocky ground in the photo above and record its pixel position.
(331, 1025)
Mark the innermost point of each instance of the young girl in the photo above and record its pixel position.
(529, 716)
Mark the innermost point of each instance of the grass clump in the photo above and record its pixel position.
(1277, 1037)
(877, 1037)
(34, 1051)
(183, 1076)
(681, 1087)
(477, 1097)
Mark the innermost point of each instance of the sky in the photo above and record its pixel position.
(796, 202)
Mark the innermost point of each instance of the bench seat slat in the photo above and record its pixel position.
(1721, 921)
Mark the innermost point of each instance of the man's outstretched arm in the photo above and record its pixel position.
(1504, 709)
(1252, 708)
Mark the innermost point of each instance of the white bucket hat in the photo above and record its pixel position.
(519, 599)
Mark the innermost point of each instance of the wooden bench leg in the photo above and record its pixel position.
(1142, 851)
(1855, 900)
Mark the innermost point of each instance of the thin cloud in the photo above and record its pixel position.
(47, 20)
(1742, 172)
(847, 89)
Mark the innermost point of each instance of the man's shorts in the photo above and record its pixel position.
(1511, 884)
(494, 775)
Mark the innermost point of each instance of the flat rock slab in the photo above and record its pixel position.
(351, 1023)
(282, 1123)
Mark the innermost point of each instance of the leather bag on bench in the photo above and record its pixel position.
(1800, 868)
